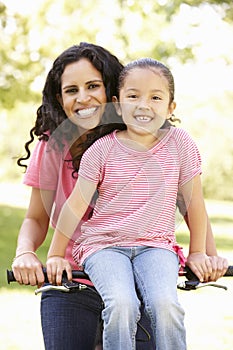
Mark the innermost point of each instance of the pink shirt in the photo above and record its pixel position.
(137, 192)
(49, 170)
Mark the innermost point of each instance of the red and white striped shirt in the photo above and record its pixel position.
(137, 192)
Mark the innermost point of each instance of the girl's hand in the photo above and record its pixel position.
(55, 266)
(219, 267)
(27, 270)
(201, 265)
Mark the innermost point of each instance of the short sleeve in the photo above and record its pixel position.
(190, 158)
(92, 165)
(42, 171)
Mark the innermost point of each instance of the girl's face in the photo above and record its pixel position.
(83, 96)
(144, 101)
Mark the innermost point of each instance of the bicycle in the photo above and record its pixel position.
(191, 283)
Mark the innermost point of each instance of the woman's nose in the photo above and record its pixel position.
(82, 97)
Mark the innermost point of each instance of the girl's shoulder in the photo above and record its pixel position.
(180, 134)
(105, 141)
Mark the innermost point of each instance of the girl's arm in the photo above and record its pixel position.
(69, 218)
(197, 260)
(26, 266)
(219, 264)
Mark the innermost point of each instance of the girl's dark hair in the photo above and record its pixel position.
(150, 63)
(50, 115)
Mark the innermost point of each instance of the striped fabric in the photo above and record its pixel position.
(137, 192)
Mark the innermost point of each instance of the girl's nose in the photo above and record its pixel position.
(143, 104)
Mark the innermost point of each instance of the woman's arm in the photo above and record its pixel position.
(69, 218)
(26, 266)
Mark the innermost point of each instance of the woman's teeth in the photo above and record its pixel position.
(86, 112)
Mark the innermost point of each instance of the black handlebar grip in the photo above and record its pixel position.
(10, 276)
(75, 274)
(229, 271)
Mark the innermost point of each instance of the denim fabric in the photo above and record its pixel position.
(71, 321)
(116, 273)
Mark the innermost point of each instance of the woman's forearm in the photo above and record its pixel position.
(31, 236)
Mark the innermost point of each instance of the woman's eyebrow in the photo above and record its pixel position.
(86, 83)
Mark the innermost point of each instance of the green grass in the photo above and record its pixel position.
(11, 219)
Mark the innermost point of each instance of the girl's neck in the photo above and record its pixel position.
(141, 142)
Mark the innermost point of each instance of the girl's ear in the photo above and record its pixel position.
(171, 108)
(59, 98)
(116, 105)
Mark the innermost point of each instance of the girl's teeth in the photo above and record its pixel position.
(143, 118)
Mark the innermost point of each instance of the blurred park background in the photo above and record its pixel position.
(193, 37)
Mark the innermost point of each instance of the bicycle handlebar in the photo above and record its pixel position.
(77, 274)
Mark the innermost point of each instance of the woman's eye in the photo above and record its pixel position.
(71, 91)
(93, 86)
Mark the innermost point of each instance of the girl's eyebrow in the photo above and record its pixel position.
(153, 91)
(86, 83)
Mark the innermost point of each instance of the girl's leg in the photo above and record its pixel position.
(70, 318)
(156, 272)
(110, 270)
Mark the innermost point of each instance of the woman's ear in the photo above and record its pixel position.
(116, 105)
(59, 98)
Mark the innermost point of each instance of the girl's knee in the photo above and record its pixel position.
(123, 307)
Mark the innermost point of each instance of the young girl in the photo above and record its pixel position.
(128, 246)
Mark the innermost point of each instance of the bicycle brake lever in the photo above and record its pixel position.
(65, 287)
(192, 285)
(48, 287)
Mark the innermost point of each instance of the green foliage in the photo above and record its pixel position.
(172, 31)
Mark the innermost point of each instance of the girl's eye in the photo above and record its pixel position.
(156, 98)
(132, 96)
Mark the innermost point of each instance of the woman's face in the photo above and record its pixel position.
(83, 96)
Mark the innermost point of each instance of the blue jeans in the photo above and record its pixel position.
(119, 274)
(73, 321)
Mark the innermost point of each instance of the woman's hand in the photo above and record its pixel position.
(219, 267)
(55, 266)
(27, 269)
(201, 266)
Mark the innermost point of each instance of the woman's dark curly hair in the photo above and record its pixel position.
(50, 115)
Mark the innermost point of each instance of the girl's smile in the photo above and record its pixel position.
(144, 104)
